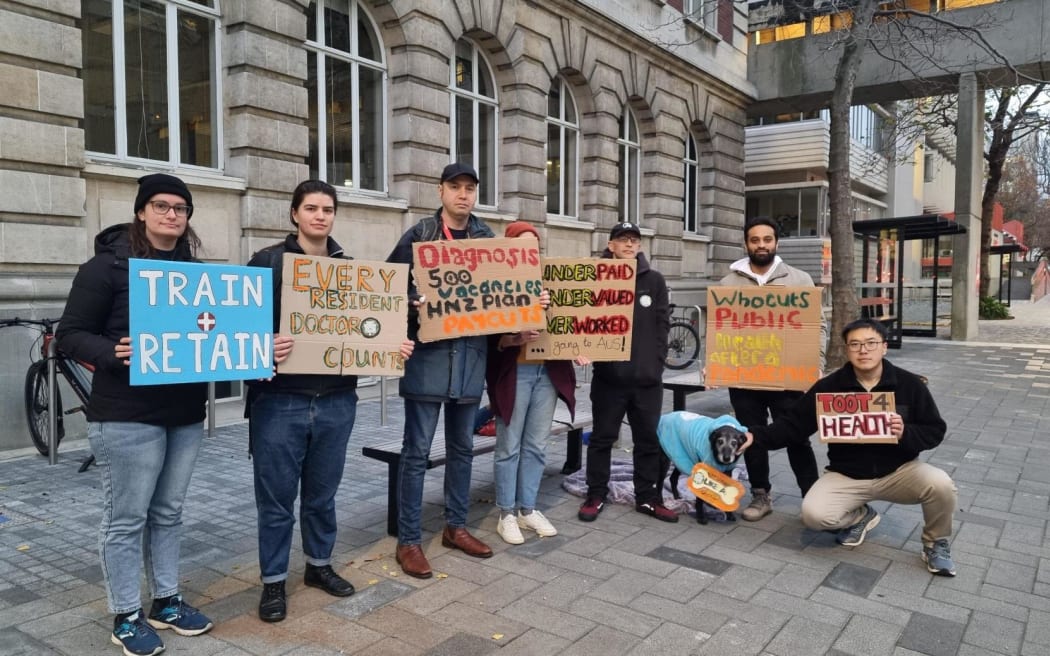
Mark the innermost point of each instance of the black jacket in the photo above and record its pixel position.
(923, 427)
(652, 321)
(310, 384)
(95, 318)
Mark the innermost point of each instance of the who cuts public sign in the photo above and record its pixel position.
(765, 338)
(192, 322)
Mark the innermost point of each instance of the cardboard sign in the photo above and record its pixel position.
(347, 316)
(855, 417)
(765, 338)
(477, 287)
(192, 322)
(591, 311)
(715, 488)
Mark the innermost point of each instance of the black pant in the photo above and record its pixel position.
(752, 408)
(609, 403)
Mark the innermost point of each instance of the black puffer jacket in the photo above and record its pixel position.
(923, 426)
(96, 318)
(652, 321)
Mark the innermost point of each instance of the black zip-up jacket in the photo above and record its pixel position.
(309, 384)
(923, 427)
(96, 318)
(652, 321)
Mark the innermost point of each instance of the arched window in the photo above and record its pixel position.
(346, 84)
(563, 131)
(473, 117)
(690, 218)
(630, 171)
(151, 81)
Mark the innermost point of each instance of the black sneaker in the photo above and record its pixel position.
(136, 636)
(324, 577)
(273, 606)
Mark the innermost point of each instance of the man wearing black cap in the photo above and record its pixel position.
(634, 388)
(448, 373)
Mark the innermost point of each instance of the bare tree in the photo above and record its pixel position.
(1022, 198)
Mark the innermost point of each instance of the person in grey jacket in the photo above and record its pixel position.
(447, 373)
(763, 267)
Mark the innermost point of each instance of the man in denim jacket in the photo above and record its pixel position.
(449, 373)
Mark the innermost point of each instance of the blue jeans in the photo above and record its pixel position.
(145, 471)
(521, 446)
(421, 419)
(298, 446)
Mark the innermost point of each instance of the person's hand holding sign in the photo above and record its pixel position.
(896, 425)
(122, 351)
(407, 347)
(518, 339)
(282, 348)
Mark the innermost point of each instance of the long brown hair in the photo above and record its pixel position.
(141, 246)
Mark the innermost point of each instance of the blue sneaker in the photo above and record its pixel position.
(136, 636)
(853, 536)
(178, 615)
(938, 558)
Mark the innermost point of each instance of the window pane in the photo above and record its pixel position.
(199, 140)
(485, 85)
(367, 41)
(632, 178)
(464, 131)
(145, 72)
(569, 174)
(487, 154)
(554, 101)
(464, 73)
(690, 149)
(339, 108)
(311, 22)
(99, 111)
(632, 128)
(337, 26)
(809, 218)
(554, 169)
(314, 158)
(570, 108)
(371, 133)
(621, 195)
(690, 198)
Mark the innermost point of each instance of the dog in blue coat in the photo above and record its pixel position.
(688, 438)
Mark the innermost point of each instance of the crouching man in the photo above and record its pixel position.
(860, 473)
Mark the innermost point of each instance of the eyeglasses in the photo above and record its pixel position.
(629, 240)
(162, 207)
(869, 345)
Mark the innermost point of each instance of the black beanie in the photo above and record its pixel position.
(161, 183)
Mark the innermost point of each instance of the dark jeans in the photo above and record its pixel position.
(299, 448)
(752, 408)
(609, 403)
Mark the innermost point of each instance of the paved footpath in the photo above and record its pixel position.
(625, 584)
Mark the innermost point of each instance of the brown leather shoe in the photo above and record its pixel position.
(413, 561)
(459, 538)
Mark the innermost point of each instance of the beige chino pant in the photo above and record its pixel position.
(836, 501)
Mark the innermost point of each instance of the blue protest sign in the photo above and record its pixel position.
(195, 322)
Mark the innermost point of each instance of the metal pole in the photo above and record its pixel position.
(52, 394)
(382, 400)
(211, 409)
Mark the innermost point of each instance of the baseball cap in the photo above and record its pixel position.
(457, 169)
(623, 229)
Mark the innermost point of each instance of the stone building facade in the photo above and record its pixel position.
(576, 114)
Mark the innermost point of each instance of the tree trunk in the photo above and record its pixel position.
(845, 307)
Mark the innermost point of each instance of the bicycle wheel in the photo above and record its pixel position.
(37, 403)
(683, 345)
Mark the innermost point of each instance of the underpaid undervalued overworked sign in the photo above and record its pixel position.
(194, 322)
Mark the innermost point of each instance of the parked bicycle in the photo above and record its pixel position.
(37, 391)
(683, 342)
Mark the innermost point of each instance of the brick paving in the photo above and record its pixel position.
(625, 584)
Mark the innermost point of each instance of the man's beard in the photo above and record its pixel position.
(762, 259)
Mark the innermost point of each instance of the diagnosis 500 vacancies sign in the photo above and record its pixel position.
(195, 322)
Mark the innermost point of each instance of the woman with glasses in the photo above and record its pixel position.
(145, 439)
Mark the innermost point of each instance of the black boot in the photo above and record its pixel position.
(273, 607)
(324, 577)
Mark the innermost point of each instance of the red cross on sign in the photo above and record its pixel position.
(206, 321)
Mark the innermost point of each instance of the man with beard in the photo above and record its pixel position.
(763, 267)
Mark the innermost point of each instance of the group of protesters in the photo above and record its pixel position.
(145, 439)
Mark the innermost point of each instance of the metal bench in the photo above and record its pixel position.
(683, 385)
(389, 451)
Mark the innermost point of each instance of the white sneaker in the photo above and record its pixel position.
(535, 521)
(508, 529)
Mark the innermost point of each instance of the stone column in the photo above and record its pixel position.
(969, 174)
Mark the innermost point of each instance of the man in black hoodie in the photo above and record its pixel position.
(634, 388)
